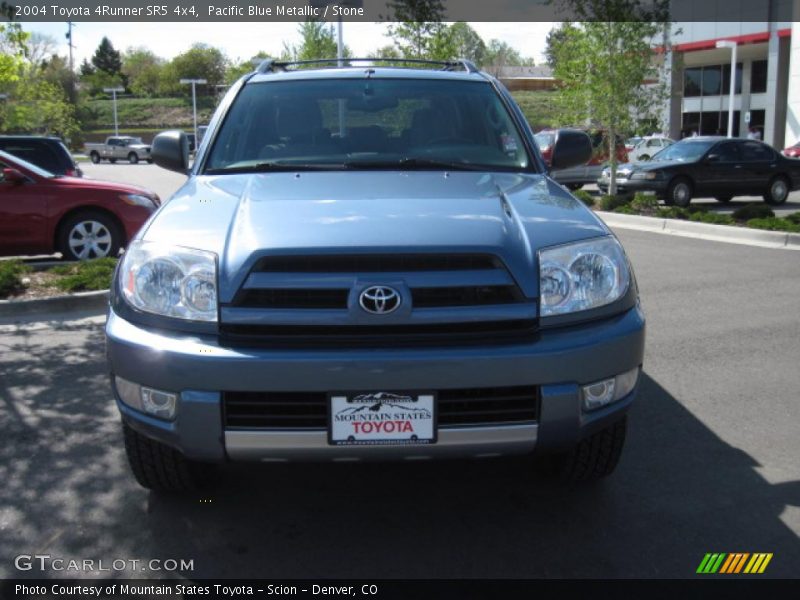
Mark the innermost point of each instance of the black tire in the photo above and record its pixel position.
(95, 157)
(133, 158)
(574, 187)
(594, 457)
(679, 192)
(97, 229)
(778, 191)
(158, 467)
(723, 199)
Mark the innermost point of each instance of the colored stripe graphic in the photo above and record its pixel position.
(758, 563)
(734, 563)
(711, 563)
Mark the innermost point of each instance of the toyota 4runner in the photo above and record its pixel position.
(371, 262)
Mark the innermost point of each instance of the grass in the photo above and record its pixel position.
(145, 113)
(11, 272)
(85, 276)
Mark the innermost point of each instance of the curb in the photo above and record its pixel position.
(704, 231)
(80, 301)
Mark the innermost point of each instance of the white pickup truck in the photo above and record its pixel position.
(116, 148)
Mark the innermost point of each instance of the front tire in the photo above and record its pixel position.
(95, 157)
(594, 457)
(133, 158)
(777, 192)
(679, 192)
(159, 467)
(88, 235)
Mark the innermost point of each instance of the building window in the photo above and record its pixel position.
(758, 77)
(692, 81)
(708, 123)
(726, 79)
(712, 79)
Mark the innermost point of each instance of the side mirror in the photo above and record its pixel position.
(712, 158)
(571, 148)
(13, 176)
(170, 150)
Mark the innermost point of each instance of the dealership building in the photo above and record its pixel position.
(767, 83)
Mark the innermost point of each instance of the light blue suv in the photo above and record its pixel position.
(371, 262)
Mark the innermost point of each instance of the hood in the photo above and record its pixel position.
(244, 217)
(96, 184)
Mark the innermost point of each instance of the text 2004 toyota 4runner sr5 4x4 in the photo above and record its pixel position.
(371, 263)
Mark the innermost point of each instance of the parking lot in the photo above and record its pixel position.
(711, 463)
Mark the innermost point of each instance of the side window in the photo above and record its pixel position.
(755, 152)
(728, 152)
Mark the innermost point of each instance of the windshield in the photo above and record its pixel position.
(368, 124)
(684, 151)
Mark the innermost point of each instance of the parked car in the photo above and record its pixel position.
(578, 176)
(710, 166)
(792, 151)
(49, 153)
(43, 213)
(647, 147)
(632, 142)
(117, 148)
(407, 282)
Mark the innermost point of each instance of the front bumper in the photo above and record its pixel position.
(634, 185)
(558, 361)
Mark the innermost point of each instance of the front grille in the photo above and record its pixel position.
(376, 263)
(377, 336)
(309, 410)
(308, 298)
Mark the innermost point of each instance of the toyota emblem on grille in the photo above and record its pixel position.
(379, 300)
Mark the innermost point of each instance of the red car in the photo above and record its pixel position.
(792, 151)
(42, 213)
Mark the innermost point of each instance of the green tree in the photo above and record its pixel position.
(467, 43)
(317, 41)
(416, 27)
(12, 53)
(142, 68)
(201, 61)
(554, 38)
(603, 61)
(106, 58)
(499, 54)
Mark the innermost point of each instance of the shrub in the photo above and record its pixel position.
(10, 276)
(774, 224)
(87, 275)
(644, 202)
(584, 197)
(753, 211)
(794, 218)
(672, 212)
(612, 202)
(713, 218)
(626, 209)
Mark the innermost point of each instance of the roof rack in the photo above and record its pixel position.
(270, 65)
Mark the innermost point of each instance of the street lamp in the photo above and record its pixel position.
(194, 82)
(113, 91)
(732, 46)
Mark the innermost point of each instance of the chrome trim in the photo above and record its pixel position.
(300, 446)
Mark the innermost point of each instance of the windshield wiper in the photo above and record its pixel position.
(267, 166)
(412, 162)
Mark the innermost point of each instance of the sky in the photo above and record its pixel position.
(243, 40)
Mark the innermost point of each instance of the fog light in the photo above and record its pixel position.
(159, 403)
(154, 402)
(601, 393)
(596, 395)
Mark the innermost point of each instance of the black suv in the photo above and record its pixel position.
(49, 153)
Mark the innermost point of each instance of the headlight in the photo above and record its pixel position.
(170, 280)
(139, 200)
(648, 175)
(581, 276)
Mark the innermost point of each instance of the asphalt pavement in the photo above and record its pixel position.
(711, 463)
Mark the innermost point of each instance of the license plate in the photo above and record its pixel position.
(382, 418)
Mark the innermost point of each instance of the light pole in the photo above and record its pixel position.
(732, 46)
(113, 91)
(194, 82)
